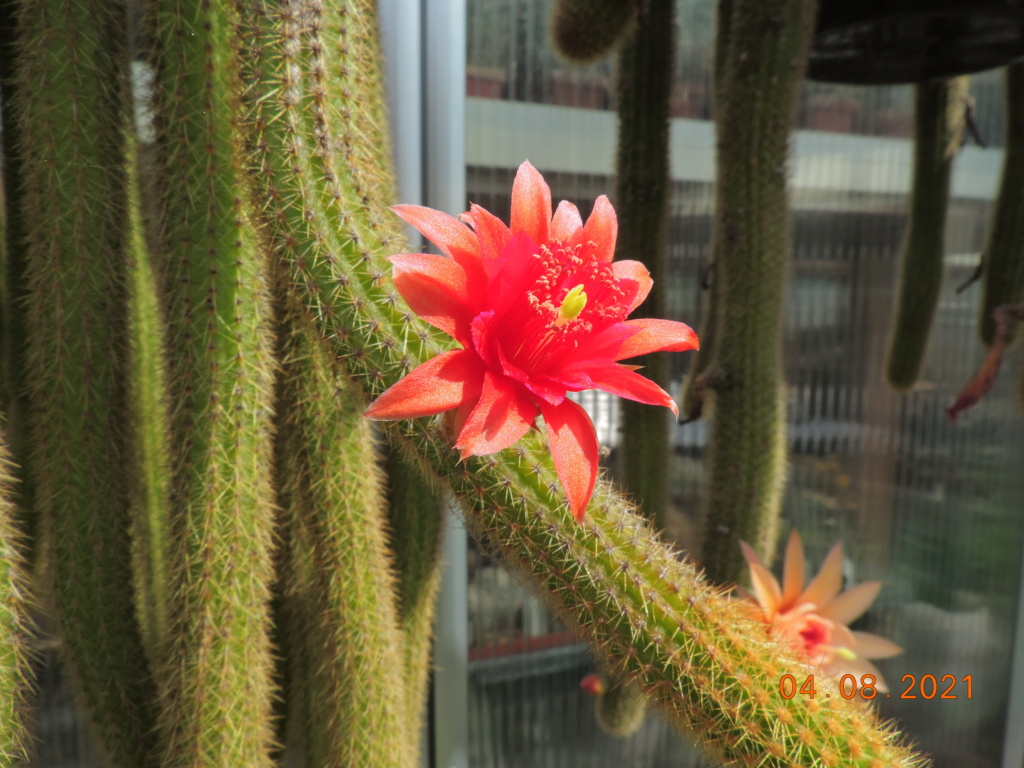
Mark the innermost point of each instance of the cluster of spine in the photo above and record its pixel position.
(15, 623)
(70, 111)
(271, 160)
(758, 70)
(1004, 254)
(938, 134)
(586, 30)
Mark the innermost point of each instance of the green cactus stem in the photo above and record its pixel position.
(15, 623)
(211, 276)
(760, 74)
(642, 187)
(648, 613)
(621, 708)
(416, 525)
(349, 677)
(938, 134)
(72, 65)
(586, 30)
(1004, 254)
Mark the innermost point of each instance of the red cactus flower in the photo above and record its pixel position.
(540, 310)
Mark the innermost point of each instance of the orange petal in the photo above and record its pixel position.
(531, 204)
(502, 415)
(601, 229)
(440, 384)
(793, 570)
(566, 223)
(766, 588)
(657, 336)
(435, 287)
(574, 449)
(446, 232)
(829, 580)
(870, 646)
(852, 603)
(633, 272)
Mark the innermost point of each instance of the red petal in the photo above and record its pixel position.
(502, 415)
(440, 384)
(531, 203)
(490, 230)
(435, 288)
(601, 229)
(657, 336)
(574, 449)
(619, 380)
(634, 278)
(446, 232)
(566, 223)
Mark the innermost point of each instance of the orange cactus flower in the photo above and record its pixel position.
(539, 309)
(814, 618)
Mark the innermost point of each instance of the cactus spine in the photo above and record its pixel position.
(72, 61)
(1004, 255)
(15, 624)
(216, 704)
(759, 73)
(586, 30)
(938, 131)
(642, 186)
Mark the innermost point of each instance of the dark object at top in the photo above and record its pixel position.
(906, 41)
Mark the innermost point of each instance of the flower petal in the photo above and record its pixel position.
(436, 289)
(490, 230)
(766, 588)
(531, 203)
(635, 280)
(502, 415)
(852, 603)
(440, 384)
(446, 232)
(620, 380)
(566, 223)
(657, 336)
(829, 580)
(601, 229)
(869, 646)
(793, 570)
(574, 449)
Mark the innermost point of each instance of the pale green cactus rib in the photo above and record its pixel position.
(350, 678)
(586, 30)
(216, 697)
(649, 614)
(938, 130)
(417, 523)
(759, 75)
(72, 70)
(642, 187)
(1004, 254)
(16, 600)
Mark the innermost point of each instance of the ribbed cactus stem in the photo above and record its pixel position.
(649, 614)
(16, 676)
(760, 74)
(417, 521)
(349, 681)
(938, 129)
(72, 67)
(217, 682)
(642, 187)
(1004, 254)
(586, 30)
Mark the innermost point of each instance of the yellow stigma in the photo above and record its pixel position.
(574, 302)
